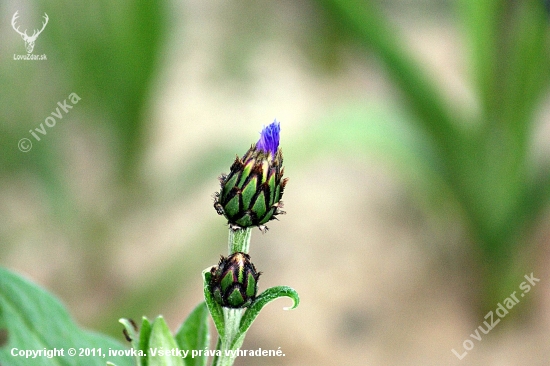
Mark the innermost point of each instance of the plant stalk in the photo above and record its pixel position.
(239, 240)
(232, 320)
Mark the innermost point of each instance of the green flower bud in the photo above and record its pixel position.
(234, 281)
(251, 193)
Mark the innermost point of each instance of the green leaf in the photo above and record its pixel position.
(139, 338)
(194, 335)
(214, 308)
(527, 70)
(161, 340)
(144, 335)
(35, 320)
(262, 300)
(134, 334)
(482, 19)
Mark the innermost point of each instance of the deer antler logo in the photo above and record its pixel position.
(29, 40)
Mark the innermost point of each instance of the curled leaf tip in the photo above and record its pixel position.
(294, 305)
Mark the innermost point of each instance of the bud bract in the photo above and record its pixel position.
(234, 281)
(251, 193)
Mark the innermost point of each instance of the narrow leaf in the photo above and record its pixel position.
(161, 343)
(144, 335)
(133, 333)
(482, 19)
(214, 308)
(371, 29)
(194, 335)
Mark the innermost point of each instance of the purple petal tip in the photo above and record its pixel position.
(269, 138)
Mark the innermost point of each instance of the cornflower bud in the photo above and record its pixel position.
(234, 281)
(251, 193)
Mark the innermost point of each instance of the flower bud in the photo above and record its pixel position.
(251, 193)
(234, 281)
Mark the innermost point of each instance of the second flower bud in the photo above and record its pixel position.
(234, 281)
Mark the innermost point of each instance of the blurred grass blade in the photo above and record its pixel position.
(528, 72)
(482, 19)
(369, 27)
(110, 54)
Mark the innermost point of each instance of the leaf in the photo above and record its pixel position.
(527, 70)
(139, 337)
(194, 335)
(144, 335)
(262, 300)
(481, 21)
(160, 343)
(35, 320)
(131, 331)
(214, 308)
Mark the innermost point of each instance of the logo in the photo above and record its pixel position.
(29, 40)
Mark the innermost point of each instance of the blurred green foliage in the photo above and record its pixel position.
(107, 53)
(485, 158)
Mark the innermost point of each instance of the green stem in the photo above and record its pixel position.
(218, 347)
(239, 240)
(232, 320)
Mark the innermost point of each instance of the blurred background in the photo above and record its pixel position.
(415, 136)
